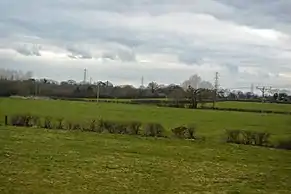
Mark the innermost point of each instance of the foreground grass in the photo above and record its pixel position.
(211, 124)
(40, 161)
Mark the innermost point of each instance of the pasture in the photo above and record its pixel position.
(211, 124)
(42, 161)
(254, 106)
(55, 161)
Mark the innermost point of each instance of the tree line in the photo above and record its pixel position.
(194, 89)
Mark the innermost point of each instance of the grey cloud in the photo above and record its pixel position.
(28, 50)
(79, 53)
(121, 55)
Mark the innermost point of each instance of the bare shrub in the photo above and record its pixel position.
(154, 130)
(134, 127)
(47, 123)
(60, 123)
(21, 120)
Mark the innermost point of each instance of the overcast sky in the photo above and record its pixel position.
(246, 41)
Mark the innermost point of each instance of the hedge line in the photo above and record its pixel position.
(256, 139)
(181, 104)
(100, 125)
(137, 128)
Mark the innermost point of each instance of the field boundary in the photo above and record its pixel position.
(172, 104)
(137, 128)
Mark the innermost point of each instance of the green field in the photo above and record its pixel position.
(54, 161)
(41, 161)
(254, 106)
(209, 123)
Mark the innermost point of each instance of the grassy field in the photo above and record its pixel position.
(54, 161)
(209, 123)
(41, 161)
(254, 105)
(232, 104)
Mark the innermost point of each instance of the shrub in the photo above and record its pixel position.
(191, 130)
(248, 137)
(69, 125)
(120, 128)
(60, 123)
(179, 131)
(233, 136)
(93, 126)
(134, 127)
(262, 138)
(154, 130)
(77, 126)
(47, 123)
(73, 126)
(185, 132)
(106, 125)
(21, 120)
(36, 121)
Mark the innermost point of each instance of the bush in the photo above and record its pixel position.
(73, 126)
(233, 136)
(248, 137)
(185, 132)
(262, 139)
(106, 125)
(60, 123)
(154, 130)
(36, 121)
(47, 123)
(134, 127)
(284, 144)
(93, 126)
(179, 131)
(191, 130)
(21, 120)
(120, 128)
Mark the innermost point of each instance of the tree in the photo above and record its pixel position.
(192, 95)
(276, 96)
(153, 86)
(177, 94)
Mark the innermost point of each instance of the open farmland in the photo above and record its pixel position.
(254, 106)
(41, 161)
(56, 161)
(209, 123)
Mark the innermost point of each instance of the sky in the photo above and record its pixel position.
(166, 41)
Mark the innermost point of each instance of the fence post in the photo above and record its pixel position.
(6, 120)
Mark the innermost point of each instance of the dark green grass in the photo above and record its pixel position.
(41, 161)
(254, 106)
(211, 124)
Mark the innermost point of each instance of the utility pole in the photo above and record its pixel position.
(85, 76)
(142, 80)
(252, 88)
(216, 85)
(98, 91)
(264, 89)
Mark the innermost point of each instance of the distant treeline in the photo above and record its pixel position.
(106, 90)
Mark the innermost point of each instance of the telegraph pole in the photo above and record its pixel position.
(98, 93)
(216, 85)
(85, 76)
